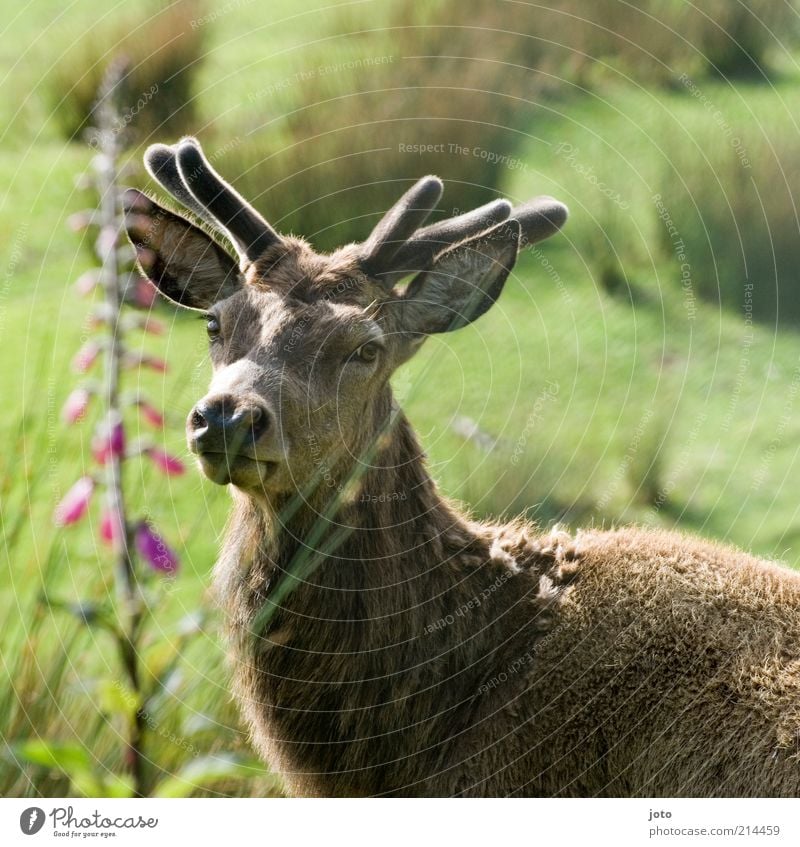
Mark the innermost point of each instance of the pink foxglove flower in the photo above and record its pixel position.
(151, 414)
(79, 221)
(87, 282)
(144, 293)
(109, 529)
(75, 502)
(106, 242)
(86, 356)
(109, 443)
(75, 406)
(170, 465)
(154, 363)
(152, 548)
(151, 325)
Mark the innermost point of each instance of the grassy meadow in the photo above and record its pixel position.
(628, 373)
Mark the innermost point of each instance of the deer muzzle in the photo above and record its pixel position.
(229, 433)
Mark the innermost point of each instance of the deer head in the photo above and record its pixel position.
(303, 344)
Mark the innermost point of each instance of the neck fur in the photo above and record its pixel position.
(373, 612)
(378, 528)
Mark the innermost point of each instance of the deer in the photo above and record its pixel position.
(382, 641)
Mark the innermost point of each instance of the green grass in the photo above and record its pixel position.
(712, 405)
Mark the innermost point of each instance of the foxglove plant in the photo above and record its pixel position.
(136, 545)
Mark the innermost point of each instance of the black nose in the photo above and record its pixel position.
(226, 424)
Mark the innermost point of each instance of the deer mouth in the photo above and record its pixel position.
(240, 469)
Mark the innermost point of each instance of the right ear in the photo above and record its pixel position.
(185, 264)
(463, 282)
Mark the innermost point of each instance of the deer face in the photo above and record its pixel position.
(297, 390)
(302, 344)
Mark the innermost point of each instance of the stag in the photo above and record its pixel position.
(384, 642)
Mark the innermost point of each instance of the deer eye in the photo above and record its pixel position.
(212, 327)
(367, 353)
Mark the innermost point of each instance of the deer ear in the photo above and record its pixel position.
(185, 264)
(462, 283)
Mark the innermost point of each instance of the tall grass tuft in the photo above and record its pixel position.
(455, 90)
(739, 222)
(362, 123)
(164, 53)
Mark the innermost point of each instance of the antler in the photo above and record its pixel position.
(185, 172)
(399, 245)
(538, 219)
(400, 223)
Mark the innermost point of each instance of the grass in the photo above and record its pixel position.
(653, 397)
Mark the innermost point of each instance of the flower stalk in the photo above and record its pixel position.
(136, 546)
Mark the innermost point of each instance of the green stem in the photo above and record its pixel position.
(128, 594)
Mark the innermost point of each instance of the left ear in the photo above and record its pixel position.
(463, 282)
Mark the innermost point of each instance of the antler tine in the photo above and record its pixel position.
(540, 218)
(251, 234)
(419, 251)
(161, 164)
(399, 224)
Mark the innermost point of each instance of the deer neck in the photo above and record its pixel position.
(355, 534)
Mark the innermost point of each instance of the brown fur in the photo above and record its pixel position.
(611, 663)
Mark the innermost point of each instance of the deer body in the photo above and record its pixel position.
(623, 663)
(383, 642)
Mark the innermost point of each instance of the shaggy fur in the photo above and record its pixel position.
(456, 658)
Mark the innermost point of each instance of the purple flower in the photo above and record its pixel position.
(75, 502)
(75, 406)
(170, 465)
(109, 443)
(153, 549)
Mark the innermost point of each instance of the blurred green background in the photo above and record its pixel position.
(643, 366)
